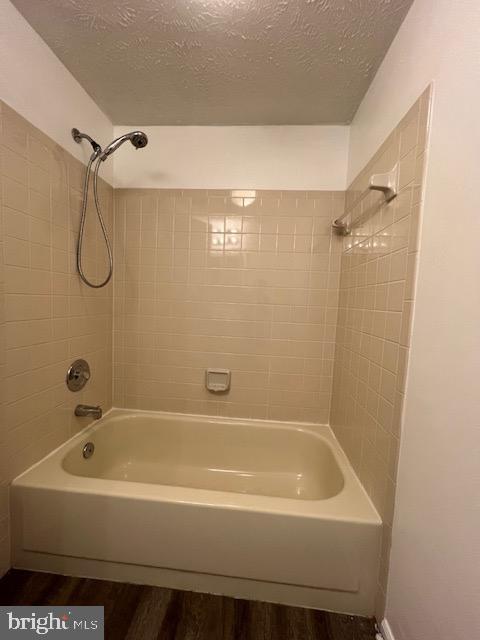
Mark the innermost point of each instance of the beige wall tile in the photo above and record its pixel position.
(42, 330)
(230, 281)
(378, 273)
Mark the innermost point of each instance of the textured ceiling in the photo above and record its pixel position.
(220, 61)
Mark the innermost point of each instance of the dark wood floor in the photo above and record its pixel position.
(151, 613)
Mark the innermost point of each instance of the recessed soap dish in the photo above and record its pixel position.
(217, 380)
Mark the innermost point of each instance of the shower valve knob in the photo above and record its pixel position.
(78, 375)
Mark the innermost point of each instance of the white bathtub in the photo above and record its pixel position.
(247, 508)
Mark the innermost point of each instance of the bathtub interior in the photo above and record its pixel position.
(248, 508)
(261, 459)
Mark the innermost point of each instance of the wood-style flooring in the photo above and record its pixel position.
(136, 612)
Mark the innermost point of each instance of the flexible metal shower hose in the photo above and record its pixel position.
(93, 157)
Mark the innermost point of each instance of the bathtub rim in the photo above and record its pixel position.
(351, 504)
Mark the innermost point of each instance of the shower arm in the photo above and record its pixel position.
(78, 136)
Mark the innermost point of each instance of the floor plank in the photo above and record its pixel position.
(137, 612)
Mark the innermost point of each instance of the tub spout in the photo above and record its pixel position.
(83, 410)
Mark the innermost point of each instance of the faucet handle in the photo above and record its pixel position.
(78, 375)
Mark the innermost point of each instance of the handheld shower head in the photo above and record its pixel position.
(137, 138)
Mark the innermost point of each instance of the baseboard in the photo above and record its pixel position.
(386, 630)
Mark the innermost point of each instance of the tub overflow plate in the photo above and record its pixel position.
(88, 450)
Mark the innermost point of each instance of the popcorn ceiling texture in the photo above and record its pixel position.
(220, 61)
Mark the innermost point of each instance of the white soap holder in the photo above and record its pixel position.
(217, 380)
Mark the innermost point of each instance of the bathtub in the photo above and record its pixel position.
(252, 509)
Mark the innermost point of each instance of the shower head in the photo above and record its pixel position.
(137, 138)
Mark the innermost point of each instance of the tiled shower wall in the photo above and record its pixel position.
(49, 317)
(374, 320)
(243, 280)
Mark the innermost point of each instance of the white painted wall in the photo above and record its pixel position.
(35, 83)
(269, 157)
(434, 583)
